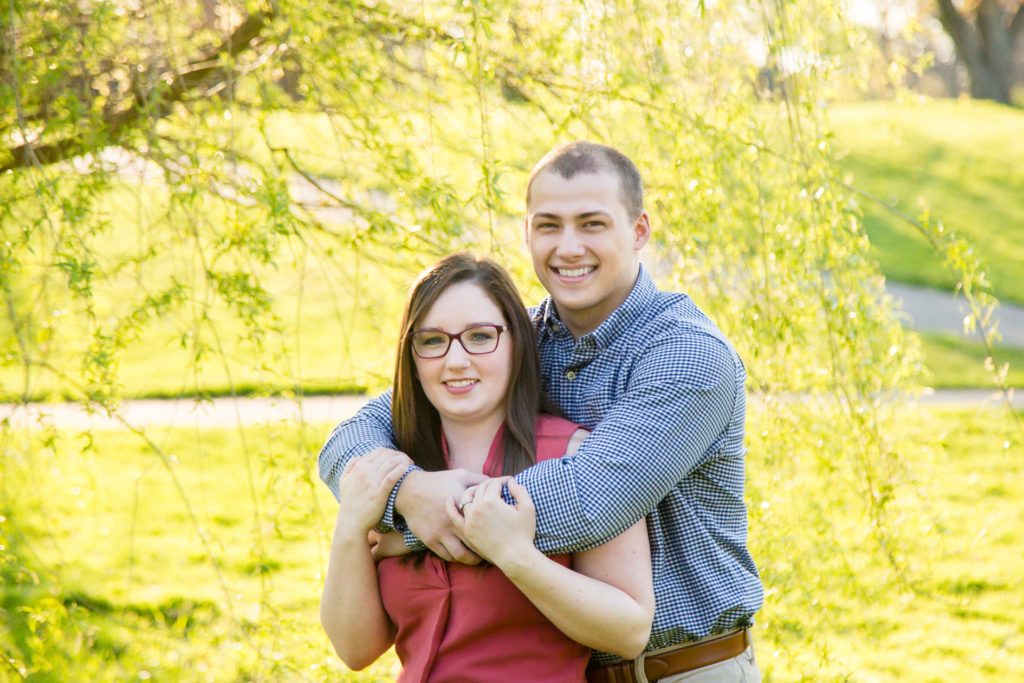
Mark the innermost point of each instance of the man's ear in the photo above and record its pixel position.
(526, 232)
(641, 231)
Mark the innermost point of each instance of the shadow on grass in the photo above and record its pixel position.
(49, 632)
(289, 392)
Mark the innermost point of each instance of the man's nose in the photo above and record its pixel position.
(569, 243)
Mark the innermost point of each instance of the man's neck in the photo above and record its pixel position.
(579, 325)
(584, 322)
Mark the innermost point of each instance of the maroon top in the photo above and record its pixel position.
(457, 622)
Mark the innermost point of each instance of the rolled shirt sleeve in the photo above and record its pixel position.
(666, 419)
(367, 430)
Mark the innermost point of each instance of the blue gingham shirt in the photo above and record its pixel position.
(663, 392)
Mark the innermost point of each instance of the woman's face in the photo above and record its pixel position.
(462, 386)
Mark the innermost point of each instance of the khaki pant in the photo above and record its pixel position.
(740, 669)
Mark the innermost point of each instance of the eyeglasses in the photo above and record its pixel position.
(478, 339)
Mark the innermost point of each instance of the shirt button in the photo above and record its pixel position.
(571, 375)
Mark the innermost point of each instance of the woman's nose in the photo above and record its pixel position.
(457, 356)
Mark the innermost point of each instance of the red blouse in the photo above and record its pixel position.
(470, 623)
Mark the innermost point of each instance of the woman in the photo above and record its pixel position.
(467, 394)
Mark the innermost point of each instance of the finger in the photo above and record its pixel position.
(468, 495)
(441, 551)
(399, 456)
(471, 479)
(348, 467)
(519, 493)
(392, 476)
(463, 554)
(380, 464)
(455, 515)
(456, 547)
(491, 489)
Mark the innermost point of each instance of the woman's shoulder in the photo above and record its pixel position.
(554, 435)
(552, 425)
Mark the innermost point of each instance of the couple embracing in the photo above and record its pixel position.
(553, 494)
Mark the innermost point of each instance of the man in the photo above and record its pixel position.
(662, 391)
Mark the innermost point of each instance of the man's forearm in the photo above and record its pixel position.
(655, 438)
(368, 429)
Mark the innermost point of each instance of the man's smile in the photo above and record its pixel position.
(575, 272)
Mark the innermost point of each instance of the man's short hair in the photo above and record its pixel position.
(582, 156)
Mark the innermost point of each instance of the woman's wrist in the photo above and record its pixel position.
(347, 532)
(517, 561)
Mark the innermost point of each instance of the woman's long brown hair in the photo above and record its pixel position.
(416, 422)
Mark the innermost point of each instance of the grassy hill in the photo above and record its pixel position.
(962, 162)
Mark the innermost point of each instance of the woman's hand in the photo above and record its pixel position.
(364, 487)
(491, 527)
(391, 544)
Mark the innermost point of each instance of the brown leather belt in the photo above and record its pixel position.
(684, 657)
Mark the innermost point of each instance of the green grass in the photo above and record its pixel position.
(834, 608)
(954, 363)
(961, 160)
(112, 567)
(321, 335)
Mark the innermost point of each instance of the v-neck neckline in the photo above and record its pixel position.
(493, 464)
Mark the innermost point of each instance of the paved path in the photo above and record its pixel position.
(220, 412)
(932, 310)
(928, 310)
(227, 412)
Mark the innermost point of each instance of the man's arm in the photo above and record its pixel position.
(683, 395)
(366, 431)
(416, 504)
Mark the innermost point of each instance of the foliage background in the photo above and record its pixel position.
(228, 198)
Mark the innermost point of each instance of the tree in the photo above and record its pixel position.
(987, 37)
(242, 189)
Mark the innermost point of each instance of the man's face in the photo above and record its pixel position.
(585, 247)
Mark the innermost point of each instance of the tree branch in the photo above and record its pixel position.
(207, 69)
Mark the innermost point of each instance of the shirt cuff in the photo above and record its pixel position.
(391, 520)
(412, 543)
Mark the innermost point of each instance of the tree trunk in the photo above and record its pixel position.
(985, 46)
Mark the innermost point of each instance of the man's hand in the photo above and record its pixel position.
(421, 501)
(496, 530)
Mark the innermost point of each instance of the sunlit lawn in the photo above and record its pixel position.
(229, 590)
(960, 161)
(954, 363)
(332, 309)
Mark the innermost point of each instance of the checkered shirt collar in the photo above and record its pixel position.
(546, 319)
